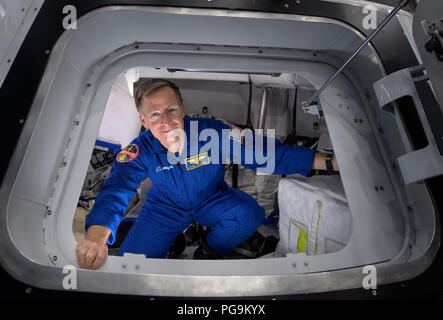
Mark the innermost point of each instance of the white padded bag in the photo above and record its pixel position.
(314, 215)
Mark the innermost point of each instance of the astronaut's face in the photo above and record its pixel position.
(161, 113)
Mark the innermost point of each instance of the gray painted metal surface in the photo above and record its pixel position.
(16, 18)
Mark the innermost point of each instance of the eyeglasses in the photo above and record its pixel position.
(171, 112)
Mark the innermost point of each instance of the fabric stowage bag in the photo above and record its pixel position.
(314, 215)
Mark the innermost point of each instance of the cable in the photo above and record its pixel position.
(248, 120)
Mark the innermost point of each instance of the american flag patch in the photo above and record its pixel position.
(237, 134)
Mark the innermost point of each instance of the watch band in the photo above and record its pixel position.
(329, 165)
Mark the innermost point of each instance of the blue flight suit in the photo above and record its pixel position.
(190, 187)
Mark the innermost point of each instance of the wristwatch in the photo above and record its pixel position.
(329, 165)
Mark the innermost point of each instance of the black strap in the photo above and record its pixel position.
(329, 165)
(235, 175)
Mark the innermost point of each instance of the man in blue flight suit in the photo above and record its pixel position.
(188, 181)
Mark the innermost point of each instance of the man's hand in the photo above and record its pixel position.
(93, 251)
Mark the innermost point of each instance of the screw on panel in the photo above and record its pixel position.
(374, 292)
(21, 121)
(28, 290)
(47, 51)
(49, 212)
(76, 122)
(260, 51)
(315, 126)
(376, 188)
(54, 258)
(88, 85)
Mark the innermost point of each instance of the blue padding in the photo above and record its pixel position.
(114, 148)
(268, 221)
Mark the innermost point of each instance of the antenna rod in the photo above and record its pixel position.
(400, 5)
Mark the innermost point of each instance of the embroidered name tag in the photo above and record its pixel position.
(197, 161)
(128, 154)
(160, 168)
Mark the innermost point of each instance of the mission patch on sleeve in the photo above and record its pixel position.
(128, 154)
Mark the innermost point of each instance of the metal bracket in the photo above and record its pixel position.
(314, 109)
(427, 162)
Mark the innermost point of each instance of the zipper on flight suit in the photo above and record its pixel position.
(183, 180)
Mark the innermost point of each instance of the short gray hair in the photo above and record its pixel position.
(152, 85)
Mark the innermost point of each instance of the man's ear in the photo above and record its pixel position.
(143, 121)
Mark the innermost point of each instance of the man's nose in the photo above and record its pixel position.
(164, 118)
